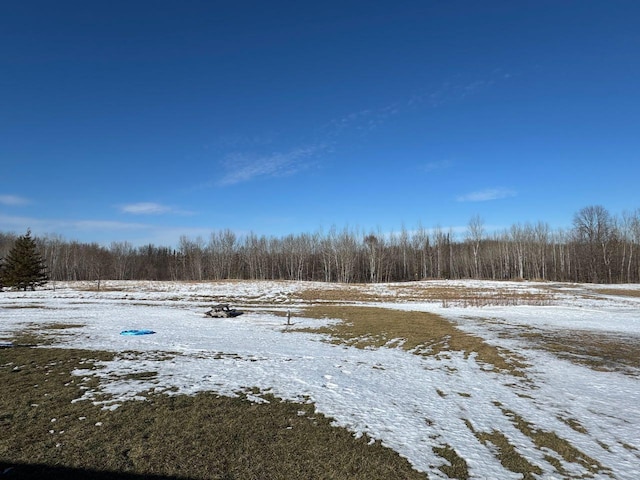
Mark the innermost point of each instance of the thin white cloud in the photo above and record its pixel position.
(151, 208)
(53, 225)
(441, 165)
(243, 167)
(13, 200)
(145, 208)
(487, 195)
(363, 121)
(89, 230)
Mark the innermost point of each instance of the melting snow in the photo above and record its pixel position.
(411, 403)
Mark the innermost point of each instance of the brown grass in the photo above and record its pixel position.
(200, 437)
(25, 305)
(337, 293)
(598, 351)
(457, 467)
(419, 332)
(619, 292)
(458, 295)
(507, 454)
(550, 440)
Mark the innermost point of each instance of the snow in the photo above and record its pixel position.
(411, 403)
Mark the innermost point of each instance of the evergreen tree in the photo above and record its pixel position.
(23, 267)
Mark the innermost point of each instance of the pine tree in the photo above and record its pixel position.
(24, 267)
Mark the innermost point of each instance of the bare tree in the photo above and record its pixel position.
(475, 233)
(593, 230)
(599, 247)
(631, 236)
(121, 253)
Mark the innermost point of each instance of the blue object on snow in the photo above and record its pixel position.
(137, 332)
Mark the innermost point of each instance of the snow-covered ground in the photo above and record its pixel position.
(411, 403)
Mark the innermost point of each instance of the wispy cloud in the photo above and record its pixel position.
(53, 225)
(13, 200)
(88, 230)
(151, 208)
(487, 195)
(242, 167)
(441, 165)
(455, 89)
(362, 122)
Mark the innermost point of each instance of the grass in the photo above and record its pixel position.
(546, 440)
(429, 334)
(598, 351)
(43, 434)
(464, 296)
(507, 453)
(418, 332)
(446, 295)
(618, 292)
(457, 467)
(337, 293)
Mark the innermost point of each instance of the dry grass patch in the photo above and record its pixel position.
(32, 334)
(598, 351)
(457, 467)
(338, 293)
(619, 292)
(44, 435)
(59, 326)
(447, 295)
(507, 453)
(574, 424)
(462, 296)
(419, 332)
(546, 440)
(101, 288)
(26, 305)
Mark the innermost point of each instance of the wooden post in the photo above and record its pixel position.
(288, 317)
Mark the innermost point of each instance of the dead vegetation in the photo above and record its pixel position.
(464, 296)
(445, 295)
(430, 334)
(551, 442)
(46, 435)
(418, 332)
(506, 453)
(619, 292)
(165, 435)
(336, 293)
(457, 467)
(599, 351)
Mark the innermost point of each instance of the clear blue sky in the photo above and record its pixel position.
(145, 120)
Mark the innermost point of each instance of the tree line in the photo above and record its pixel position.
(598, 247)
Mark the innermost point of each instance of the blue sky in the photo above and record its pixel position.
(142, 121)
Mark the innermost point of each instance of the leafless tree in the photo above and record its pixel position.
(593, 231)
(599, 247)
(475, 233)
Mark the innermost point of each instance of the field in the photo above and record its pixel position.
(433, 379)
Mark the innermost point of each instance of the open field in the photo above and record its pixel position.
(435, 379)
